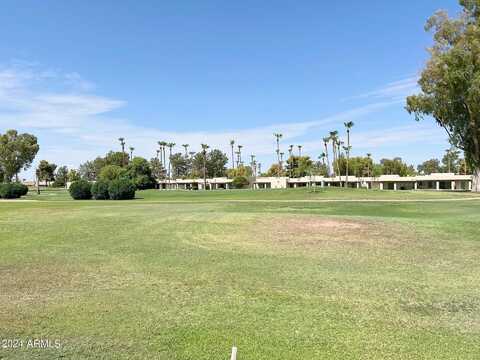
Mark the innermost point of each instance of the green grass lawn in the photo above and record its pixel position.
(281, 274)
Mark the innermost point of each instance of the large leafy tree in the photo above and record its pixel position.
(275, 170)
(358, 165)
(158, 171)
(116, 158)
(215, 163)
(429, 167)
(46, 171)
(73, 175)
(111, 172)
(140, 172)
(17, 152)
(240, 171)
(319, 168)
(181, 165)
(61, 177)
(91, 170)
(395, 166)
(87, 171)
(450, 82)
(451, 160)
(298, 166)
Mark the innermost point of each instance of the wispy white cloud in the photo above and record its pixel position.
(393, 91)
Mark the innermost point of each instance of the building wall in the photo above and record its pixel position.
(384, 182)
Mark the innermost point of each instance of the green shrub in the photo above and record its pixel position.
(240, 182)
(58, 183)
(20, 189)
(121, 189)
(8, 191)
(100, 190)
(143, 182)
(81, 190)
(12, 190)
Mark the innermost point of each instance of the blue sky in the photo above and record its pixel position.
(81, 74)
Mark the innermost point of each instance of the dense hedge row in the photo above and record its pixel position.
(118, 189)
(12, 190)
(121, 189)
(100, 190)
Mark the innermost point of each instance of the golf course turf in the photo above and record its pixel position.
(281, 274)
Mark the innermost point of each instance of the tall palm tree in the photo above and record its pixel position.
(163, 159)
(259, 169)
(185, 146)
(334, 138)
(451, 154)
(237, 159)
(281, 160)
(204, 153)
(369, 156)
(326, 140)
(339, 148)
(347, 150)
(322, 157)
(170, 147)
(290, 151)
(122, 144)
(239, 147)
(253, 164)
(299, 150)
(278, 137)
(348, 126)
(160, 151)
(339, 155)
(131, 148)
(232, 144)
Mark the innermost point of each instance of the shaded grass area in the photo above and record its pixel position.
(154, 279)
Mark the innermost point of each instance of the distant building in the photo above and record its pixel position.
(441, 181)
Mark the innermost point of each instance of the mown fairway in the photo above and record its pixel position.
(280, 274)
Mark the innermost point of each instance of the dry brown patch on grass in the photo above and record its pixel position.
(318, 231)
(30, 284)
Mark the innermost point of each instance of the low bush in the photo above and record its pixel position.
(12, 190)
(240, 182)
(20, 189)
(58, 184)
(7, 191)
(81, 190)
(121, 189)
(100, 190)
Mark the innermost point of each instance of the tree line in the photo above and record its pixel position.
(17, 152)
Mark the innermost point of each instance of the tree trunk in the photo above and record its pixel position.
(476, 180)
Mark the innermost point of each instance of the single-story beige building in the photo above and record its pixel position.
(440, 181)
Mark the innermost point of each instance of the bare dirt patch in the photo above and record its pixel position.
(318, 231)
